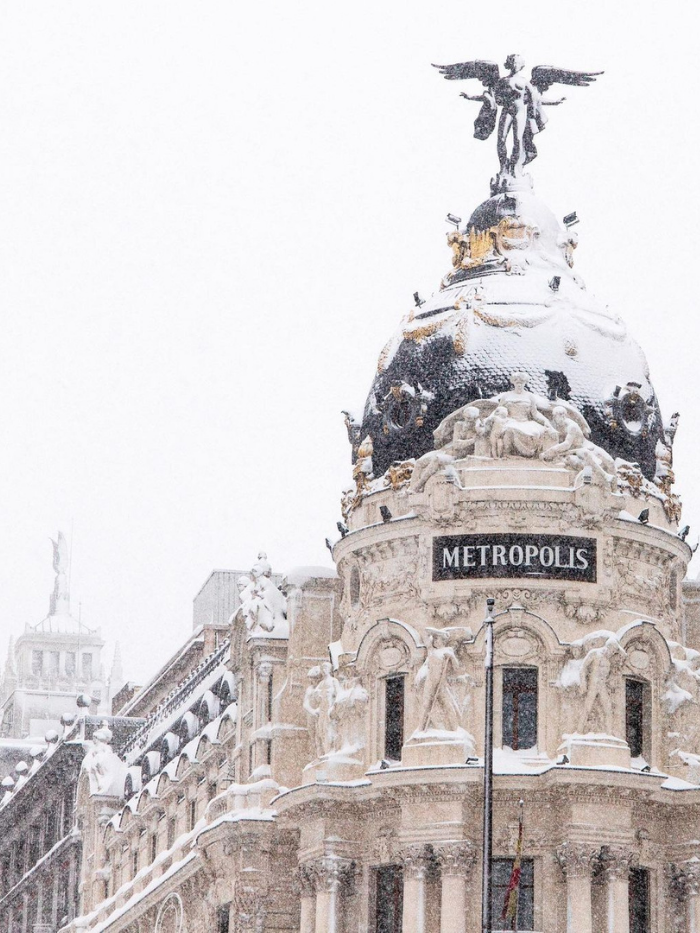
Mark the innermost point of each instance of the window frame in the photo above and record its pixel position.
(515, 729)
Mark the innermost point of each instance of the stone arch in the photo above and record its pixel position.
(649, 660)
(524, 639)
(388, 630)
(170, 918)
(389, 649)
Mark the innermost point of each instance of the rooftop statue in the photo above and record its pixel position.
(522, 107)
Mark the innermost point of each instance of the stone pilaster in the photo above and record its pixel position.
(578, 861)
(248, 909)
(615, 863)
(417, 861)
(307, 897)
(686, 881)
(456, 862)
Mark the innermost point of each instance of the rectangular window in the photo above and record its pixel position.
(87, 666)
(502, 870)
(222, 919)
(393, 717)
(35, 852)
(134, 863)
(519, 707)
(37, 663)
(171, 832)
(388, 899)
(53, 657)
(192, 814)
(70, 663)
(154, 847)
(635, 691)
(67, 821)
(640, 912)
(50, 828)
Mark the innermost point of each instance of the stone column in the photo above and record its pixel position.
(456, 861)
(416, 861)
(616, 862)
(577, 861)
(331, 873)
(307, 898)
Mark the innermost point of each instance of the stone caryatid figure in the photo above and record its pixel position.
(439, 708)
(598, 666)
(521, 103)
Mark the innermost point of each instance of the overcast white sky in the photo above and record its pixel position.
(214, 214)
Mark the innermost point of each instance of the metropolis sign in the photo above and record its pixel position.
(543, 557)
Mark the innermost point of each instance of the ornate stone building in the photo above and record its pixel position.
(321, 769)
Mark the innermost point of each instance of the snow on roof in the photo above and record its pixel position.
(299, 575)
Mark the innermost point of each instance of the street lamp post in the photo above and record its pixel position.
(486, 898)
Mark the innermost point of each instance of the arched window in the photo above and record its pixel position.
(170, 916)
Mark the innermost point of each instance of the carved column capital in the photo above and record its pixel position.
(330, 873)
(416, 860)
(306, 878)
(686, 879)
(616, 861)
(456, 858)
(577, 859)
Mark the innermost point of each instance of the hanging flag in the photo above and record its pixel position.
(510, 903)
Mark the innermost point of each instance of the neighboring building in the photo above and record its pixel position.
(51, 662)
(40, 833)
(320, 769)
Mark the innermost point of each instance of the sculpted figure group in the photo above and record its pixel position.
(334, 712)
(515, 423)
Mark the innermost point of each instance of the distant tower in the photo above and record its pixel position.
(52, 662)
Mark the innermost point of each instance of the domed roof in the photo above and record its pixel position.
(511, 303)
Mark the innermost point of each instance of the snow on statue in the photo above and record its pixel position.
(104, 768)
(439, 707)
(522, 107)
(263, 606)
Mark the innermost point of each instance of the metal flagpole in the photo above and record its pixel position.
(487, 881)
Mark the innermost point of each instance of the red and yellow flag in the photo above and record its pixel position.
(510, 903)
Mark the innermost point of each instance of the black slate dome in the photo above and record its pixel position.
(512, 303)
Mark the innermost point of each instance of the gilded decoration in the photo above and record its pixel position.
(399, 474)
(476, 248)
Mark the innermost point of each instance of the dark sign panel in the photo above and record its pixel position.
(543, 557)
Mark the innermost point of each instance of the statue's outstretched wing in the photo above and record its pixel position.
(544, 76)
(486, 72)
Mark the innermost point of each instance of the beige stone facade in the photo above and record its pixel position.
(321, 769)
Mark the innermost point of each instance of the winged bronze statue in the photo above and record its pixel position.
(522, 106)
